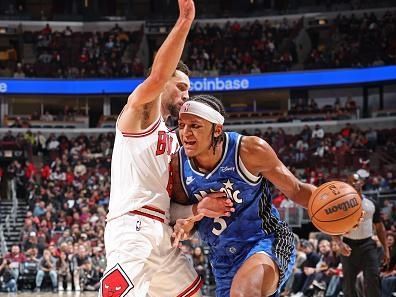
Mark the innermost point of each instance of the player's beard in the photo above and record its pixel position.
(174, 110)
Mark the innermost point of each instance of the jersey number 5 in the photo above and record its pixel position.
(223, 226)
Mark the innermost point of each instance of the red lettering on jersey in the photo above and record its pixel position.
(169, 144)
(161, 143)
(115, 284)
(164, 143)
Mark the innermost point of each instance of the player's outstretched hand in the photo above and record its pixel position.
(182, 230)
(187, 9)
(215, 205)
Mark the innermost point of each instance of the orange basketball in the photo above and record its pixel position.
(335, 207)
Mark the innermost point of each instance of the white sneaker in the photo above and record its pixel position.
(60, 288)
(69, 287)
(78, 288)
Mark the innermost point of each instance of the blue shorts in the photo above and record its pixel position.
(226, 265)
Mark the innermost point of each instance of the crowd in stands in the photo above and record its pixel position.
(318, 269)
(75, 10)
(212, 49)
(69, 54)
(356, 42)
(61, 243)
(68, 114)
(333, 152)
(241, 48)
(310, 106)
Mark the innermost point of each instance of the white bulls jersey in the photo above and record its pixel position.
(140, 169)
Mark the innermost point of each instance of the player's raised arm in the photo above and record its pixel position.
(163, 68)
(259, 158)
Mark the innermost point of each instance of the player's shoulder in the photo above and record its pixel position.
(134, 119)
(254, 144)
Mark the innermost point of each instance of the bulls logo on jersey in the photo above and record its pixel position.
(115, 283)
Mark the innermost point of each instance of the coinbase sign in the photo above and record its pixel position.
(267, 81)
(219, 84)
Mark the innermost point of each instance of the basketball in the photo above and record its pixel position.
(335, 208)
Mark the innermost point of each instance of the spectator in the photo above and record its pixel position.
(30, 266)
(68, 31)
(39, 209)
(7, 277)
(40, 142)
(317, 134)
(388, 275)
(199, 261)
(15, 259)
(47, 266)
(47, 117)
(91, 277)
(335, 271)
(52, 143)
(19, 71)
(63, 272)
(8, 136)
(31, 242)
(99, 260)
(302, 279)
(80, 169)
(78, 262)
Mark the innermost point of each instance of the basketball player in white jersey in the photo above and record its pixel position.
(140, 258)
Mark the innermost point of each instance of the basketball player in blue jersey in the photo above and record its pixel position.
(252, 251)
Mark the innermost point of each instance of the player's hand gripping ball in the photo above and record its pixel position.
(335, 208)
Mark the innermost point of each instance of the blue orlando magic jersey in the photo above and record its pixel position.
(254, 218)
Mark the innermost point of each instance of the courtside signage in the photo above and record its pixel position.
(280, 80)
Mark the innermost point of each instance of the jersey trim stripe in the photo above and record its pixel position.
(193, 288)
(154, 209)
(148, 215)
(242, 170)
(149, 131)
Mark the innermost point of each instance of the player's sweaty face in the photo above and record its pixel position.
(195, 134)
(176, 92)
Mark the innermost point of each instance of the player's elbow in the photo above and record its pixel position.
(157, 80)
(148, 91)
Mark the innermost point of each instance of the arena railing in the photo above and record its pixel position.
(291, 128)
(3, 243)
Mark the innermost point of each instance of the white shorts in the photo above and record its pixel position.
(142, 262)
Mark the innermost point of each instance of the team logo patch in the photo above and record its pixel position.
(115, 283)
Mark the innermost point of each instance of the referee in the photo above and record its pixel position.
(359, 251)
